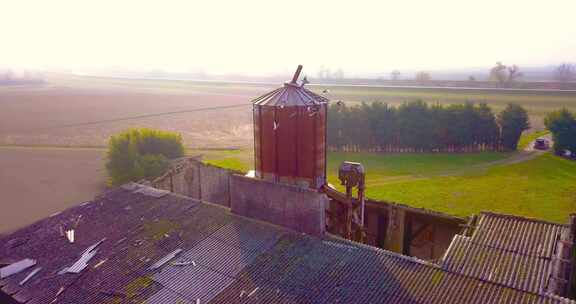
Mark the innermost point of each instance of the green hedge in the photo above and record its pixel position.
(141, 153)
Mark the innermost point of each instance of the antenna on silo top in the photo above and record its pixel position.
(297, 74)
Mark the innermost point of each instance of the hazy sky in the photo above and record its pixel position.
(252, 36)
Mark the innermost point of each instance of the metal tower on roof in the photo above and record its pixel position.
(290, 135)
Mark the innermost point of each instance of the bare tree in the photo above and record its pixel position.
(498, 73)
(503, 74)
(565, 72)
(514, 73)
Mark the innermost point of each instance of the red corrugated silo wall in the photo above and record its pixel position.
(290, 144)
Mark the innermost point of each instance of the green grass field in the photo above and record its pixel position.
(542, 188)
(457, 184)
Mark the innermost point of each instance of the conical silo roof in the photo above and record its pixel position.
(289, 95)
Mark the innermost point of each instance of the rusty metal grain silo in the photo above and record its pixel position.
(290, 135)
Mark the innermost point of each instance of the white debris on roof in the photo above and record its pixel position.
(15, 268)
(131, 186)
(100, 263)
(30, 275)
(82, 262)
(149, 191)
(183, 263)
(143, 189)
(251, 173)
(70, 235)
(338, 245)
(165, 259)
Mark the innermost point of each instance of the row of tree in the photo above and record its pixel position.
(562, 124)
(502, 75)
(420, 127)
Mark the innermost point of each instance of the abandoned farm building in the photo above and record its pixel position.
(203, 234)
(154, 246)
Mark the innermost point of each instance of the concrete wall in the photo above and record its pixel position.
(285, 205)
(195, 179)
(215, 184)
(400, 228)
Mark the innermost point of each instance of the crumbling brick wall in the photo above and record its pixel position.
(285, 205)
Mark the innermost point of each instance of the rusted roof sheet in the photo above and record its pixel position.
(290, 95)
(235, 260)
(17, 267)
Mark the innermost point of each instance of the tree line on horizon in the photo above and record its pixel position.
(502, 75)
(421, 127)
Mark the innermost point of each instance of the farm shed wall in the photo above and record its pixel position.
(403, 229)
(290, 206)
(411, 231)
(195, 179)
(215, 184)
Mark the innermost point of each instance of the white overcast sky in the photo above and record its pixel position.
(253, 36)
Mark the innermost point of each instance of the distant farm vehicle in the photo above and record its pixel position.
(541, 144)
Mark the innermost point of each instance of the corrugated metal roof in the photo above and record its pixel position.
(300, 269)
(235, 260)
(290, 95)
(518, 234)
(524, 272)
(509, 250)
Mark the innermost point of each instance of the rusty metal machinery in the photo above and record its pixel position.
(346, 214)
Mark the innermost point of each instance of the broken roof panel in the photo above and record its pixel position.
(30, 275)
(16, 267)
(236, 260)
(165, 259)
